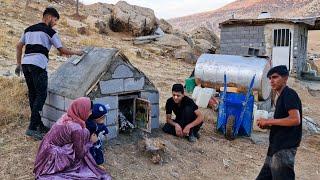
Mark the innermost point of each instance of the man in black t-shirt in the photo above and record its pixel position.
(188, 118)
(286, 128)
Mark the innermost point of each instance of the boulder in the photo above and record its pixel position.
(170, 40)
(184, 36)
(165, 26)
(185, 54)
(138, 21)
(206, 34)
(203, 46)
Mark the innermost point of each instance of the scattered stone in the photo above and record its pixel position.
(155, 148)
(82, 30)
(141, 53)
(7, 73)
(226, 163)
(102, 27)
(310, 126)
(174, 174)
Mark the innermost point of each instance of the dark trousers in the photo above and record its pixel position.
(37, 82)
(187, 116)
(279, 166)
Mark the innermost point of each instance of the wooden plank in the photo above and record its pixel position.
(230, 89)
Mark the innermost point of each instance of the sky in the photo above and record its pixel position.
(172, 8)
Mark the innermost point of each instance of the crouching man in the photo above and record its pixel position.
(286, 128)
(188, 118)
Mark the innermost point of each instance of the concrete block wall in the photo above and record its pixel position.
(235, 40)
(55, 106)
(123, 80)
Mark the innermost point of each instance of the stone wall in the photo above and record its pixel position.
(235, 40)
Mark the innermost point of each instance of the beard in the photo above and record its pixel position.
(50, 24)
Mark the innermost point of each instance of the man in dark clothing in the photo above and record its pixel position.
(38, 40)
(286, 128)
(188, 118)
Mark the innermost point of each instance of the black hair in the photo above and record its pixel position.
(51, 11)
(91, 105)
(282, 70)
(178, 88)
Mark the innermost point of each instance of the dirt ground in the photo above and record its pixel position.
(212, 157)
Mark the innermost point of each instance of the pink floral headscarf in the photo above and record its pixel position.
(78, 112)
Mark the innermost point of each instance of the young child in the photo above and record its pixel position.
(95, 124)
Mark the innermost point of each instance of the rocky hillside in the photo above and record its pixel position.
(249, 9)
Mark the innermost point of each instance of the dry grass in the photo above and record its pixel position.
(14, 101)
(91, 41)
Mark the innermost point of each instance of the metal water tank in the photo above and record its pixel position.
(210, 70)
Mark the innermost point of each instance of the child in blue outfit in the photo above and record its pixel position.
(95, 124)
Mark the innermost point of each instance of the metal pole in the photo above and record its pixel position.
(77, 8)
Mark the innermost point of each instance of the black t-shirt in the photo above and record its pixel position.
(172, 106)
(282, 137)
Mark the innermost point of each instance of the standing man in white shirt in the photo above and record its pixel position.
(38, 40)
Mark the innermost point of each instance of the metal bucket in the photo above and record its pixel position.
(210, 70)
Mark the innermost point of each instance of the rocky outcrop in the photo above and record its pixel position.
(138, 21)
(206, 34)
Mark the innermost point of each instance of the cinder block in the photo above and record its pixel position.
(52, 113)
(112, 118)
(47, 122)
(151, 96)
(113, 132)
(56, 101)
(67, 103)
(47, 99)
(111, 100)
(155, 123)
(111, 86)
(132, 84)
(122, 71)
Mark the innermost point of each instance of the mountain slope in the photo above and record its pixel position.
(248, 9)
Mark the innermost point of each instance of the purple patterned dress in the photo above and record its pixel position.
(64, 154)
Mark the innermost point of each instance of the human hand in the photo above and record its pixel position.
(186, 131)
(178, 130)
(93, 138)
(80, 53)
(263, 123)
(102, 136)
(18, 69)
